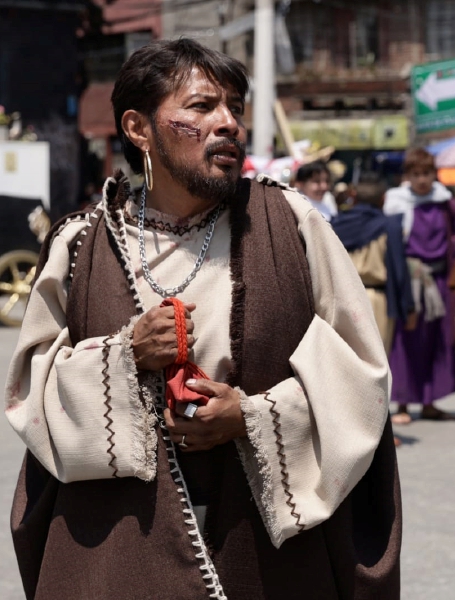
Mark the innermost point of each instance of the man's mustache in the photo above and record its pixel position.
(222, 143)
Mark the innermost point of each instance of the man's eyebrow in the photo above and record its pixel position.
(205, 95)
(212, 95)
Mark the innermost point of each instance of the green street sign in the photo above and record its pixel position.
(433, 92)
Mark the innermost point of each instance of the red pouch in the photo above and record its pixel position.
(182, 369)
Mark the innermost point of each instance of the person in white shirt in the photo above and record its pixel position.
(313, 181)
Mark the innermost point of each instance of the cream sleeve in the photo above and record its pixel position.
(78, 409)
(312, 437)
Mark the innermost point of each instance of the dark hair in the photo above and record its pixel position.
(371, 192)
(306, 172)
(418, 158)
(162, 67)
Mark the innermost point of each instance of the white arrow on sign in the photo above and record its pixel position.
(436, 90)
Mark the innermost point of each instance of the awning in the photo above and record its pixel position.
(96, 118)
(438, 147)
(126, 16)
(368, 88)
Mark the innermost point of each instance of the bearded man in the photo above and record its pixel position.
(278, 480)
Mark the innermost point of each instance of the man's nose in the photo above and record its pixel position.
(226, 123)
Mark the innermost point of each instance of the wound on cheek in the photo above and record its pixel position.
(189, 130)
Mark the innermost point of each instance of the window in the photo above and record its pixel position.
(366, 36)
(440, 28)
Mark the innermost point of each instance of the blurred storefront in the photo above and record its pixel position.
(378, 133)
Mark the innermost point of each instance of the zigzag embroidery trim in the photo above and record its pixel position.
(284, 470)
(179, 230)
(107, 403)
(210, 576)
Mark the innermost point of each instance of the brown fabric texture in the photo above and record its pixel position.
(118, 539)
(123, 538)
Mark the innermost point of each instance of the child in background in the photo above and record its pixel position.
(313, 181)
(422, 360)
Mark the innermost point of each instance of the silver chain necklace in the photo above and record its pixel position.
(170, 292)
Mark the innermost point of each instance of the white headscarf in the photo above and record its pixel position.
(402, 200)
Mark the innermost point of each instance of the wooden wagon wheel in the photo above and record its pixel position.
(17, 270)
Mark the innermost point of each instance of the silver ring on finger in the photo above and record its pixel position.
(190, 410)
(182, 443)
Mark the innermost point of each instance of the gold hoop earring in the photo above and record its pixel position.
(148, 174)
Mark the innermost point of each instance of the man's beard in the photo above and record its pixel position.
(206, 187)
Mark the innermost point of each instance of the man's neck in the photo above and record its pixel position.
(171, 198)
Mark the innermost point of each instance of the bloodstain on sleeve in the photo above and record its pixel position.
(14, 390)
(92, 346)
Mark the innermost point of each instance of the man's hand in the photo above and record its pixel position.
(154, 338)
(220, 421)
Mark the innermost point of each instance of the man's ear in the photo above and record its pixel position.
(137, 129)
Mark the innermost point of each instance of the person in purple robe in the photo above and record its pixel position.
(422, 359)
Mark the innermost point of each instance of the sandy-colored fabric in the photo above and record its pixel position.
(55, 401)
(369, 262)
(171, 258)
(330, 425)
(340, 418)
(385, 324)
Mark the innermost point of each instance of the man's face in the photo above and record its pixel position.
(200, 138)
(421, 180)
(316, 187)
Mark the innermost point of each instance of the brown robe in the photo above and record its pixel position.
(125, 539)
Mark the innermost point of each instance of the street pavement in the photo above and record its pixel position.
(427, 468)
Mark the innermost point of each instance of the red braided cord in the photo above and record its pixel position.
(180, 328)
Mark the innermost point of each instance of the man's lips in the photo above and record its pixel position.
(228, 155)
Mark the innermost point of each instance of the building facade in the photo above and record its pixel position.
(124, 26)
(352, 59)
(349, 81)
